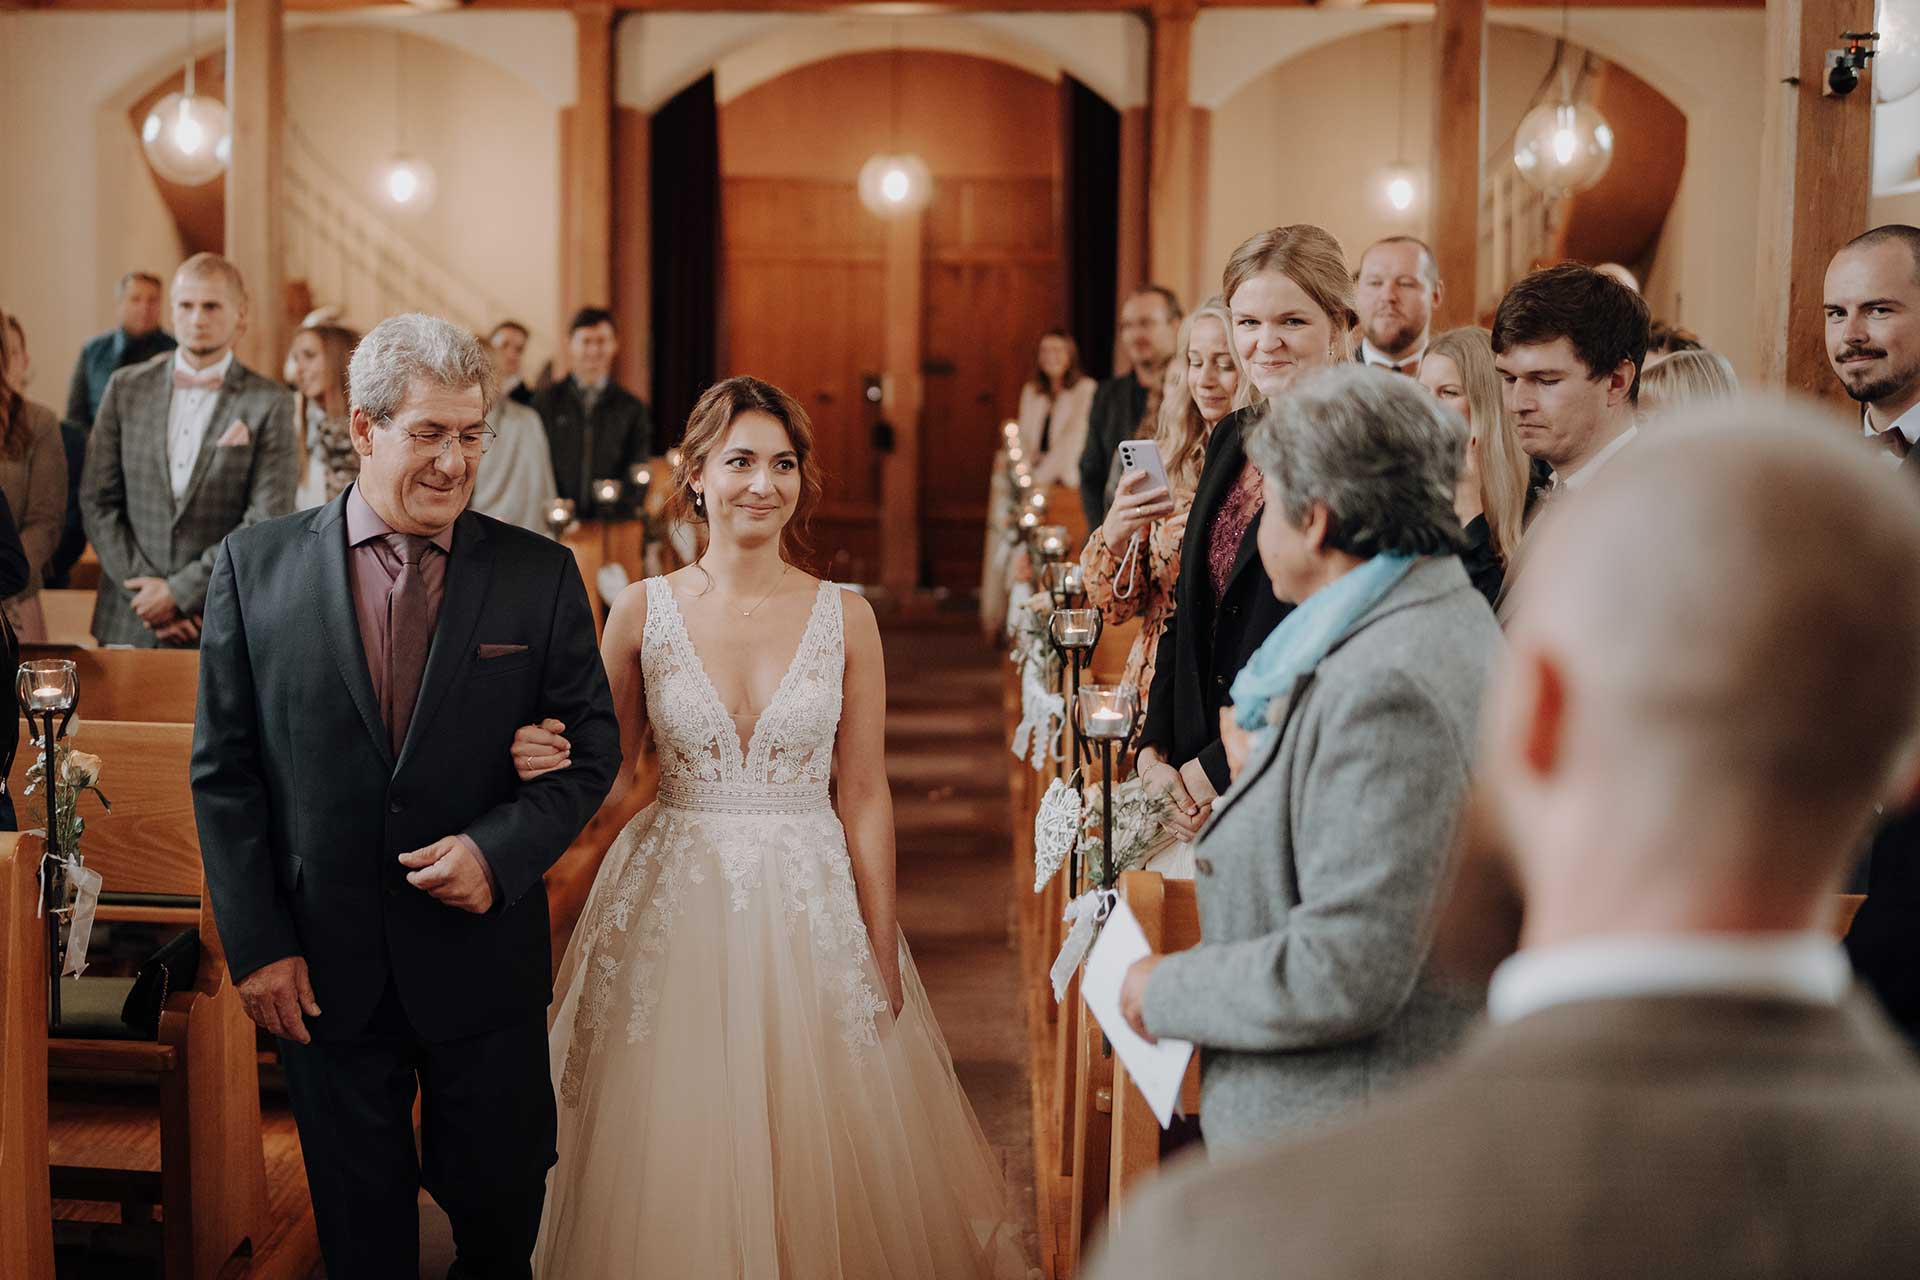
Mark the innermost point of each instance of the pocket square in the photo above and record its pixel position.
(237, 434)
(488, 652)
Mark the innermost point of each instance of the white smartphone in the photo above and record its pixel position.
(1143, 455)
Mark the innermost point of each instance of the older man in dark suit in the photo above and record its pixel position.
(596, 428)
(1680, 1078)
(375, 864)
(187, 448)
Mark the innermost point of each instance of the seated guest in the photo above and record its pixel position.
(1497, 479)
(514, 481)
(186, 449)
(15, 574)
(596, 428)
(1310, 990)
(1149, 323)
(1292, 305)
(1132, 561)
(319, 357)
(1053, 412)
(1395, 291)
(1663, 339)
(33, 478)
(1679, 1077)
(1685, 379)
(509, 343)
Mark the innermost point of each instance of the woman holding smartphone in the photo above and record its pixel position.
(1291, 299)
(1132, 560)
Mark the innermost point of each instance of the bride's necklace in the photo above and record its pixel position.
(746, 613)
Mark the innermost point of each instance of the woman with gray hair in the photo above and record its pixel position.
(1352, 727)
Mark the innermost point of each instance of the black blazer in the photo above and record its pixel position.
(1204, 646)
(303, 810)
(1118, 405)
(619, 434)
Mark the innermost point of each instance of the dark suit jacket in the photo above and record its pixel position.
(521, 394)
(1207, 642)
(1686, 1138)
(303, 810)
(1118, 404)
(619, 434)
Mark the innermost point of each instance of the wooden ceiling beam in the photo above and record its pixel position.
(832, 6)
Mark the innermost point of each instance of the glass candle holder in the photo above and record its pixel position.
(46, 684)
(1010, 430)
(1107, 711)
(1052, 542)
(1037, 501)
(1023, 479)
(606, 492)
(1015, 453)
(640, 476)
(674, 458)
(1075, 628)
(1029, 521)
(559, 515)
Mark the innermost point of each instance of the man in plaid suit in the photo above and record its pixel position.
(187, 448)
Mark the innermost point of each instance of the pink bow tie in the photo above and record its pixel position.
(184, 381)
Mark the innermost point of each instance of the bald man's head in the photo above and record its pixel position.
(1719, 631)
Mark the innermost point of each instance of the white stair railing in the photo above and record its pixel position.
(1517, 224)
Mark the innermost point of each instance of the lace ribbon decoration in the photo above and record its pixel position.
(1041, 715)
(1085, 914)
(1056, 826)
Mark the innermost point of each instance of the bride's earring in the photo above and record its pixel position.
(699, 503)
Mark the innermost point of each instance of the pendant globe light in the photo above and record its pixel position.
(1400, 182)
(188, 137)
(406, 182)
(1562, 145)
(894, 183)
(1896, 63)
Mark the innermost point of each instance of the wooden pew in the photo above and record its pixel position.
(155, 686)
(69, 617)
(1170, 917)
(1850, 904)
(212, 1181)
(26, 1202)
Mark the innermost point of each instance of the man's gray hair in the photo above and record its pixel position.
(402, 348)
(1376, 449)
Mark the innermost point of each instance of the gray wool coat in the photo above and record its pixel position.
(1318, 871)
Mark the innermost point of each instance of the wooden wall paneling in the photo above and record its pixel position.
(26, 1198)
(1171, 147)
(904, 392)
(255, 234)
(1459, 147)
(632, 254)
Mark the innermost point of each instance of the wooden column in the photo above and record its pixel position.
(1130, 265)
(902, 392)
(1816, 177)
(1170, 142)
(586, 253)
(1459, 150)
(255, 235)
(632, 251)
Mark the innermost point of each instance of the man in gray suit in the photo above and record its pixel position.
(1679, 1078)
(187, 447)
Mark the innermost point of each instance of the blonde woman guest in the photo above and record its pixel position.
(1053, 411)
(1291, 298)
(1496, 479)
(1685, 378)
(319, 359)
(33, 476)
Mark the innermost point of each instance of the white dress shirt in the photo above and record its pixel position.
(1809, 967)
(1907, 424)
(1370, 354)
(1591, 467)
(188, 415)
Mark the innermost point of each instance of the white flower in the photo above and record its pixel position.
(81, 769)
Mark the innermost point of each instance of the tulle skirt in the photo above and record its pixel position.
(736, 1099)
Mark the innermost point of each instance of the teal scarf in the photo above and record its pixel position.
(1304, 636)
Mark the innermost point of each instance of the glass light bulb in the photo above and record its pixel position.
(1400, 194)
(187, 140)
(402, 185)
(1562, 147)
(891, 185)
(895, 185)
(407, 183)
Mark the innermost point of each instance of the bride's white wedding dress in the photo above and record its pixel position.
(735, 1098)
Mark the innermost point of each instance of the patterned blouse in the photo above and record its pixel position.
(1152, 580)
(1230, 524)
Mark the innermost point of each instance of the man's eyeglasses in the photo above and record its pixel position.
(434, 444)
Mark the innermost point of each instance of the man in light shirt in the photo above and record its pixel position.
(1872, 305)
(187, 447)
(1679, 1077)
(1395, 292)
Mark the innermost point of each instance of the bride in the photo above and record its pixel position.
(751, 1081)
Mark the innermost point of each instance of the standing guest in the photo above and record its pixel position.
(319, 357)
(509, 342)
(1684, 379)
(14, 340)
(1149, 324)
(515, 480)
(1568, 343)
(1665, 339)
(1678, 1077)
(1292, 305)
(596, 428)
(33, 478)
(1396, 291)
(375, 869)
(1310, 989)
(1054, 405)
(1619, 275)
(15, 574)
(185, 450)
(1496, 482)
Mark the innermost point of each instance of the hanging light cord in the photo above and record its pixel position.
(1400, 143)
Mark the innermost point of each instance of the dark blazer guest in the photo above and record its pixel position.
(1149, 327)
(375, 865)
(596, 428)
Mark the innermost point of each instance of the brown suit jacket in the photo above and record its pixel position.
(1655, 1138)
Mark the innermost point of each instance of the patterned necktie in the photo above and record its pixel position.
(408, 635)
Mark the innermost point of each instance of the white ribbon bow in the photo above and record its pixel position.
(1041, 715)
(1085, 913)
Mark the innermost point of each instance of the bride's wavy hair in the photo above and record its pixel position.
(707, 427)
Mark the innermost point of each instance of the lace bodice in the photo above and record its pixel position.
(785, 764)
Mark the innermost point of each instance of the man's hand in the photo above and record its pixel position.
(1199, 786)
(276, 995)
(539, 748)
(182, 631)
(451, 874)
(1186, 815)
(1133, 996)
(153, 601)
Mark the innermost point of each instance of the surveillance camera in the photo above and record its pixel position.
(1843, 77)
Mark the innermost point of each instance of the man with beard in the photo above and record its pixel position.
(1872, 304)
(1149, 326)
(1395, 292)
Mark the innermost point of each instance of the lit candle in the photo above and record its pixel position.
(1074, 636)
(640, 476)
(48, 697)
(1024, 479)
(1073, 580)
(674, 457)
(1028, 520)
(1015, 453)
(1106, 723)
(1053, 545)
(1011, 431)
(606, 491)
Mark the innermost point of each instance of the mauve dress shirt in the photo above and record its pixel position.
(372, 565)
